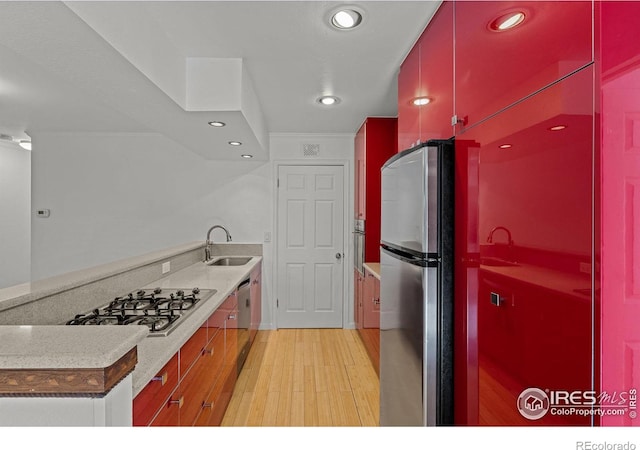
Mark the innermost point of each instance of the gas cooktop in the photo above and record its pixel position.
(159, 309)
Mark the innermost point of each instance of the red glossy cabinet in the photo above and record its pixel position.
(370, 316)
(618, 282)
(409, 88)
(427, 73)
(375, 143)
(525, 254)
(436, 75)
(494, 69)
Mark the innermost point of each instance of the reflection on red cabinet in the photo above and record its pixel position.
(527, 270)
(494, 69)
(620, 202)
(409, 89)
(436, 75)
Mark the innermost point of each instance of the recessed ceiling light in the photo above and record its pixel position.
(507, 21)
(217, 123)
(421, 101)
(247, 156)
(25, 144)
(328, 100)
(558, 128)
(504, 146)
(346, 19)
(235, 143)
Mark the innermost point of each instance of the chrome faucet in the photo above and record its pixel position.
(207, 248)
(490, 237)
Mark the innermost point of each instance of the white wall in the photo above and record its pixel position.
(113, 196)
(15, 220)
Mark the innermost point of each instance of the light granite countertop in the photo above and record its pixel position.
(60, 346)
(374, 268)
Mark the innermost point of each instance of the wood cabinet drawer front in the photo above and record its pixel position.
(213, 368)
(156, 393)
(194, 388)
(169, 415)
(192, 349)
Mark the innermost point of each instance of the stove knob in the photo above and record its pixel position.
(180, 293)
(157, 290)
(196, 290)
(130, 296)
(141, 293)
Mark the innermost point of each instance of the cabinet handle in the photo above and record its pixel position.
(208, 351)
(178, 402)
(207, 405)
(161, 378)
(376, 301)
(232, 317)
(255, 282)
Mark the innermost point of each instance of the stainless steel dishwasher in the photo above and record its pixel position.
(244, 320)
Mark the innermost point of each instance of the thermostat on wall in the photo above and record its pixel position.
(43, 212)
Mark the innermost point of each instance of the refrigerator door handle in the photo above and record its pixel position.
(409, 258)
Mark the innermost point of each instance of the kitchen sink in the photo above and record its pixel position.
(229, 261)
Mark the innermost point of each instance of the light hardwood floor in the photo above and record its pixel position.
(306, 377)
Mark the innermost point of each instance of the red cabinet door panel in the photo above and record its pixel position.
(530, 243)
(494, 69)
(409, 88)
(436, 75)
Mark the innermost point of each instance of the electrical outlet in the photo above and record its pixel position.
(166, 267)
(267, 236)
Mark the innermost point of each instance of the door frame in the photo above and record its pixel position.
(347, 202)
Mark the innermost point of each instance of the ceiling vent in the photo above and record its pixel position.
(310, 149)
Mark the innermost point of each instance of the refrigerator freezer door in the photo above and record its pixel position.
(409, 201)
(406, 352)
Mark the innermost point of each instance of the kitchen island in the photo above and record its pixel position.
(50, 348)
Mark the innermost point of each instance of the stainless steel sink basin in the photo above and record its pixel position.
(229, 261)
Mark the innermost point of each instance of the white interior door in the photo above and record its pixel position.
(310, 247)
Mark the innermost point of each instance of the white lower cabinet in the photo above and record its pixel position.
(112, 410)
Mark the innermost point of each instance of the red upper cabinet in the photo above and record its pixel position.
(427, 75)
(409, 88)
(375, 143)
(494, 69)
(436, 75)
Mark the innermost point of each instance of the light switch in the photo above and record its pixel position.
(166, 267)
(267, 236)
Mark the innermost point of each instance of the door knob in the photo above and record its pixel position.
(338, 255)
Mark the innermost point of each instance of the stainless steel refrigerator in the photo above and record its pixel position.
(416, 287)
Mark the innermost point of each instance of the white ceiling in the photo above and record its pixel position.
(120, 67)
